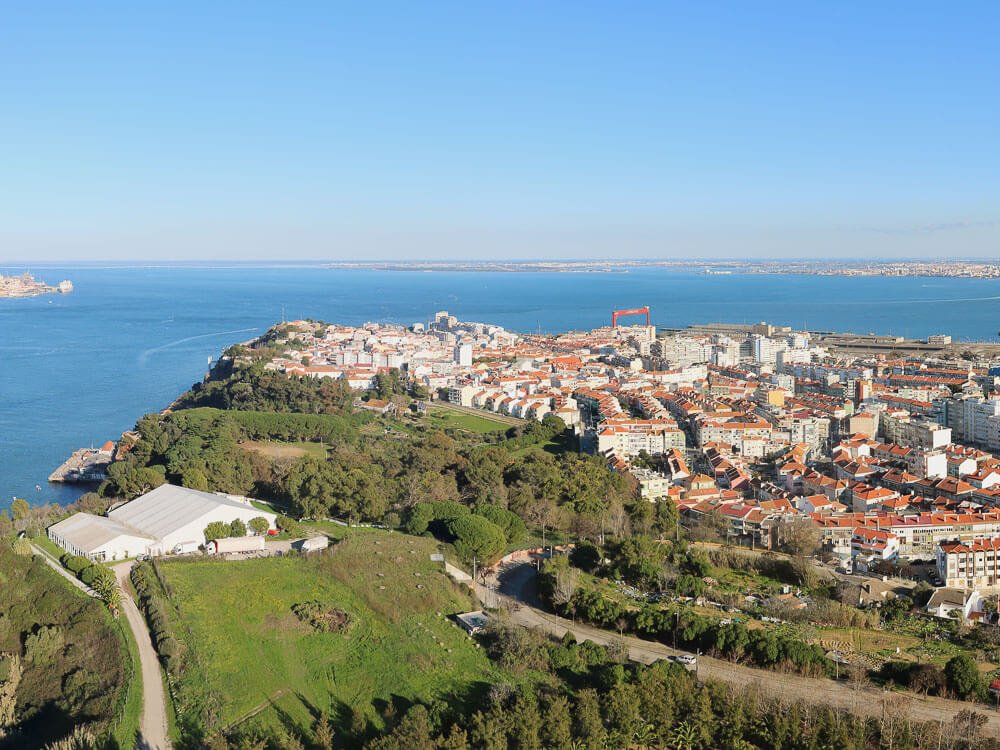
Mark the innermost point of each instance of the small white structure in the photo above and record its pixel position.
(473, 622)
(315, 543)
(945, 601)
(167, 520)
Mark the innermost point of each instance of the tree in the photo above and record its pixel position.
(566, 582)
(19, 508)
(477, 537)
(963, 675)
(557, 724)
(639, 560)
(259, 525)
(237, 528)
(323, 733)
(21, 546)
(511, 525)
(967, 724)
(217, 530)
(8, 691)
(801, 537)
(588, 724)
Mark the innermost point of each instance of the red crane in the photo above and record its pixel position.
(615, 314)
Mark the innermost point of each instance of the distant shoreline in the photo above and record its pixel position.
(948, 269)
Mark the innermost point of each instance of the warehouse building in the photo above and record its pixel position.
(166, 520)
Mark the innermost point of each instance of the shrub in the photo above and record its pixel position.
(259, 525)
(87, 575)
(322, 617)
(217, 530)
(42, 645)
(75, 563)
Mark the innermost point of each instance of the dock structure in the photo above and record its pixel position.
(85, 465)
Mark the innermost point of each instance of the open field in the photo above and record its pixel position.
(444, 418)
(251, 654)
(278, 450)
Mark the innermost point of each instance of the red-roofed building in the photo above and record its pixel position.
(970, 565)
(866, 542)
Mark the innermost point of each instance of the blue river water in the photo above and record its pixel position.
(78, 369)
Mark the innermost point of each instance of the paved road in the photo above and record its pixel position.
(517, 585)
(153, 734)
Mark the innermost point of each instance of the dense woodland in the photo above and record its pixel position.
(376, 468)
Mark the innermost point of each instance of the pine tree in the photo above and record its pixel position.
(457, 739)
(589, 726)
(323, 733)
(526, 723)
(557, 724)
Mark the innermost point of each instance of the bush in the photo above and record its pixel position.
(87, 575)
(75, 563)
(289, 526)
(585, 556)
(41, 646)
(217, 530)
(322, 617)
(237, 528)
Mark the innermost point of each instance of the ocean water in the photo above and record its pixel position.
(78, 369)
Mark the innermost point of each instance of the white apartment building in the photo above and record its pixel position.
(970, 565)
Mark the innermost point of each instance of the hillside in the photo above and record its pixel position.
(68, 650)
(246, 652)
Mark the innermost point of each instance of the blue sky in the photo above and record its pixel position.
(501, 130)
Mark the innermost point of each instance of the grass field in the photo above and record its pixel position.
(249, 649)
(277, 450)
(469, 422)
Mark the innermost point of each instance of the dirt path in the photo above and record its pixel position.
(153, 733)
(517, 585)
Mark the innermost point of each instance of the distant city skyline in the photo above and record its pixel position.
(452, 131)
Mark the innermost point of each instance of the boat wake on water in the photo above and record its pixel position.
(144, 356)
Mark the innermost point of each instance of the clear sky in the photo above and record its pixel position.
(476, 130)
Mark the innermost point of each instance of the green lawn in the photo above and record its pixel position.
(48, 545)
(247, 646)
(469, 422)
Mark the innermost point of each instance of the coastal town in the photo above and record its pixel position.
(754, 427)
(25, 285)
(968, 269)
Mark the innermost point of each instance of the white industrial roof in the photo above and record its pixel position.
(168, 508)
(88, 532)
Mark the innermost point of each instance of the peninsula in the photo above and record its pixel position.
(25, 285)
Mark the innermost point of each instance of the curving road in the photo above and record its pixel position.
(516, 586)
(153, 732)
